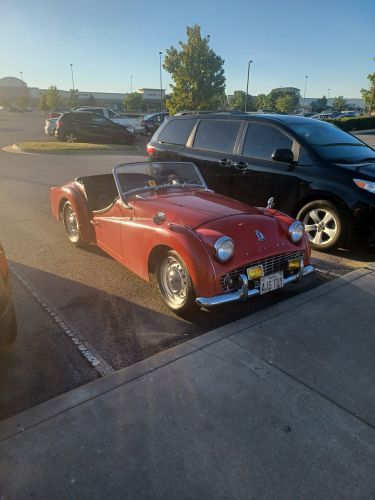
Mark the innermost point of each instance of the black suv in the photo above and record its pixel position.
(315, 171)
(85, 126)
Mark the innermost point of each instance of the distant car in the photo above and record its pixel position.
(91, 127)
(161, 221)
(153, 121)
(348, 114)
(326, 116)
(8, 323)
(130, 119)
(50, 126)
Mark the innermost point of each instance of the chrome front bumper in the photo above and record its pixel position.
(244, 293)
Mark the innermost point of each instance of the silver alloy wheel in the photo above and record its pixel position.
(70, 137)
(174, 281)
(321, 226)
(71, 224)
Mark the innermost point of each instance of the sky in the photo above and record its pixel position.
(332, 42)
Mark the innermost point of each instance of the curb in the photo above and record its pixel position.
(14, 148)
(63, 403)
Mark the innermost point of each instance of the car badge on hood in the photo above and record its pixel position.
(259, 235)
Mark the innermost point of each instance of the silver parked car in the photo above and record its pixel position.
(50, 126)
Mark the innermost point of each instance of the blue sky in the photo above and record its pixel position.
(333, 42)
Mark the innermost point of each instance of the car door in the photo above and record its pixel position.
(258, 176)
(107, 226)
(212, 150)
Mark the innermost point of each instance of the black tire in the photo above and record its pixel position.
(8, 329)
(70, 137)
(175, 284)
(71, 225)
(326, 224)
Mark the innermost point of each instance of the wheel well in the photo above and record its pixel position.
(319, 196)
(61, 206)
(156, 254)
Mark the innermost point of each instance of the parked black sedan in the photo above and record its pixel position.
(316, 172)
(92, 127)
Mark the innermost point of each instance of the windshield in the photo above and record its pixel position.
(332, 143)
(152, 176)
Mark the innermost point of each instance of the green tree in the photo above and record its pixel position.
(368, 95)
(319, 105)
(73, 98)
(285, 104)
(263, 101)
(133, 102)
(238, 101)
(53, 99)
(339, 103)
(43, 101)
(197, 72)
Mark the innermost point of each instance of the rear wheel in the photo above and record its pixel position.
(326, 225)
(71, 225)
(175, 284)
(70, 137)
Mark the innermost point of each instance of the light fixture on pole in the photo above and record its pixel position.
(304, 92)
(247, 83)
(71, 69)
(161, 84)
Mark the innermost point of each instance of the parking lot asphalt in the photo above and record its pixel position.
(278, 405)
(114, 316)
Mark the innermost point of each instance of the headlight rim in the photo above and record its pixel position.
(217, 245)
(292, 228)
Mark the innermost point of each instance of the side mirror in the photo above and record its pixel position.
(283, 155)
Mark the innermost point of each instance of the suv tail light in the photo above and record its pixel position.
(150, 150)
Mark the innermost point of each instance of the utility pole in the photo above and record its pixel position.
(247, 83)
(21, 73)
(71, 69)
(131, 84)
(304, 92)
(372, 95)
(161, 84)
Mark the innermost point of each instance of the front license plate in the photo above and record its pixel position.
(271, 282)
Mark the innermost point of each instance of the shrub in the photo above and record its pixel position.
(355, 123)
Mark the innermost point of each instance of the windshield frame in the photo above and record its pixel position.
(124, 195)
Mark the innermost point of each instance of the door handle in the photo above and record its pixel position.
(240, 165)
(225, 162)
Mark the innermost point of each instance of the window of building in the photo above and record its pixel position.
(262, 140)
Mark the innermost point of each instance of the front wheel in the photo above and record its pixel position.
(325, 224)
(70, 137)
(175, 284)
(71, 225)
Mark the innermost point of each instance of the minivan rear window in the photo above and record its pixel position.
(177, 131)
(217, 135)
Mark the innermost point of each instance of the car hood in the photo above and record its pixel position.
(366, 168)
(192, 208)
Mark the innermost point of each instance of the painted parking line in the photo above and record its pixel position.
(83, 346)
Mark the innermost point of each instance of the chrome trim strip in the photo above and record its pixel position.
(244, 293)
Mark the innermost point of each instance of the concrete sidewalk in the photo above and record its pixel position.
(280, 404)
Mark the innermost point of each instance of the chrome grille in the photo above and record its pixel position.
(229, 282)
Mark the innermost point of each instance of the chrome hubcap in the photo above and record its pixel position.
(321, 226)
(71, 224)
(71, 138)
(174, 280)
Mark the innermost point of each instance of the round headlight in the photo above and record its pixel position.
(296, 231)
(224, 248)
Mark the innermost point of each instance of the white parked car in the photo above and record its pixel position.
(131, 120)
(50, 126)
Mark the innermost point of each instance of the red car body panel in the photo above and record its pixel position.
(195, 219)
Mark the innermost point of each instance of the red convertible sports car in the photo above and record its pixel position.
(161, 221)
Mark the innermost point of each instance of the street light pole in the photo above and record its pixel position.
(247, 83)
(372, 96)
(161, 84)
(131, 84)
(304, 92)
(71, 69)
(21, 73)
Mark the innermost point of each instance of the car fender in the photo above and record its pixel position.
(71, 193)
(145, 241)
